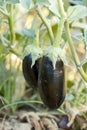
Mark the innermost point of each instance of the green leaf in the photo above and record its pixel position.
(76, 12)
(1, 2)
(36, 52)
(12, 1)
(26, 3)
(28, 32)
(79, 25)
(69, 97)
(42, 2)
(78, 2)
(78, 36)
(53, 7)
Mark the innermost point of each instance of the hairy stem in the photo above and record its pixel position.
(59, 32)
(14, 52)
(11, 25)
(70, 42)
(46, 24)
(76, 59)
(4, 13)
(61, 8)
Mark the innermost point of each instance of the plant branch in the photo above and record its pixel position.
(14, 52)
(61, 8)
(11, 25)
(59, 32)
(61, 24)
(37, 37)
(46, 24)
(70, 42)
(76, 59)
(4, 13)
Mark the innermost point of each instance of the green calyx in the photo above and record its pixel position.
(36, 52)
(54, 53)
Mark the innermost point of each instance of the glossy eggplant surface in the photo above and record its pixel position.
(30, 72)
(51, 82)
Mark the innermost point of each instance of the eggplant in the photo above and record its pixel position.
(51, 82)
(30, 72)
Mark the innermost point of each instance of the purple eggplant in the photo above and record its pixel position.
(51, 82)
(30, 72)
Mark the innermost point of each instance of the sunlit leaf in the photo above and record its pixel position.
(78, 2)
(79, 25)
(69, 97)
(26, 3)
(28, 32)
(1, 2)
(53, 7)
(42, 2)
(78, 36)
(76, 12)
(12, 1)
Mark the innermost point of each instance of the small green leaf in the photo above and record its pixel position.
(28, 32)
(42, 2)
(36, 52)
(69, 97)
(78, 36)
(77, 2)
(12, 1)
(1, 2)
(79, 25)
(53, 7)
(26, 3)
(76, 12)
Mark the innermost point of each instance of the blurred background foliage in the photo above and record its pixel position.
(20, 30)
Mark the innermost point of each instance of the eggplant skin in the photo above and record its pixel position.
(30, 73)
(51, 82)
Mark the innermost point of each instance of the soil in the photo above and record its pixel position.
(30, 120)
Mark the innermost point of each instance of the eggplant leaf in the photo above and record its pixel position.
(12, 1)
(28, 32)
(79, 25)
(76, 12)
(26, 3)
(53, 7)
(42, 2)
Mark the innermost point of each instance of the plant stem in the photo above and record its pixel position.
(46, 24)
(15, 52)
(37, 37)
(61, 24)
(59, 32)
(11, 25)
(73, 51)
(4, 13)
(70, 42)
(61, 8)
